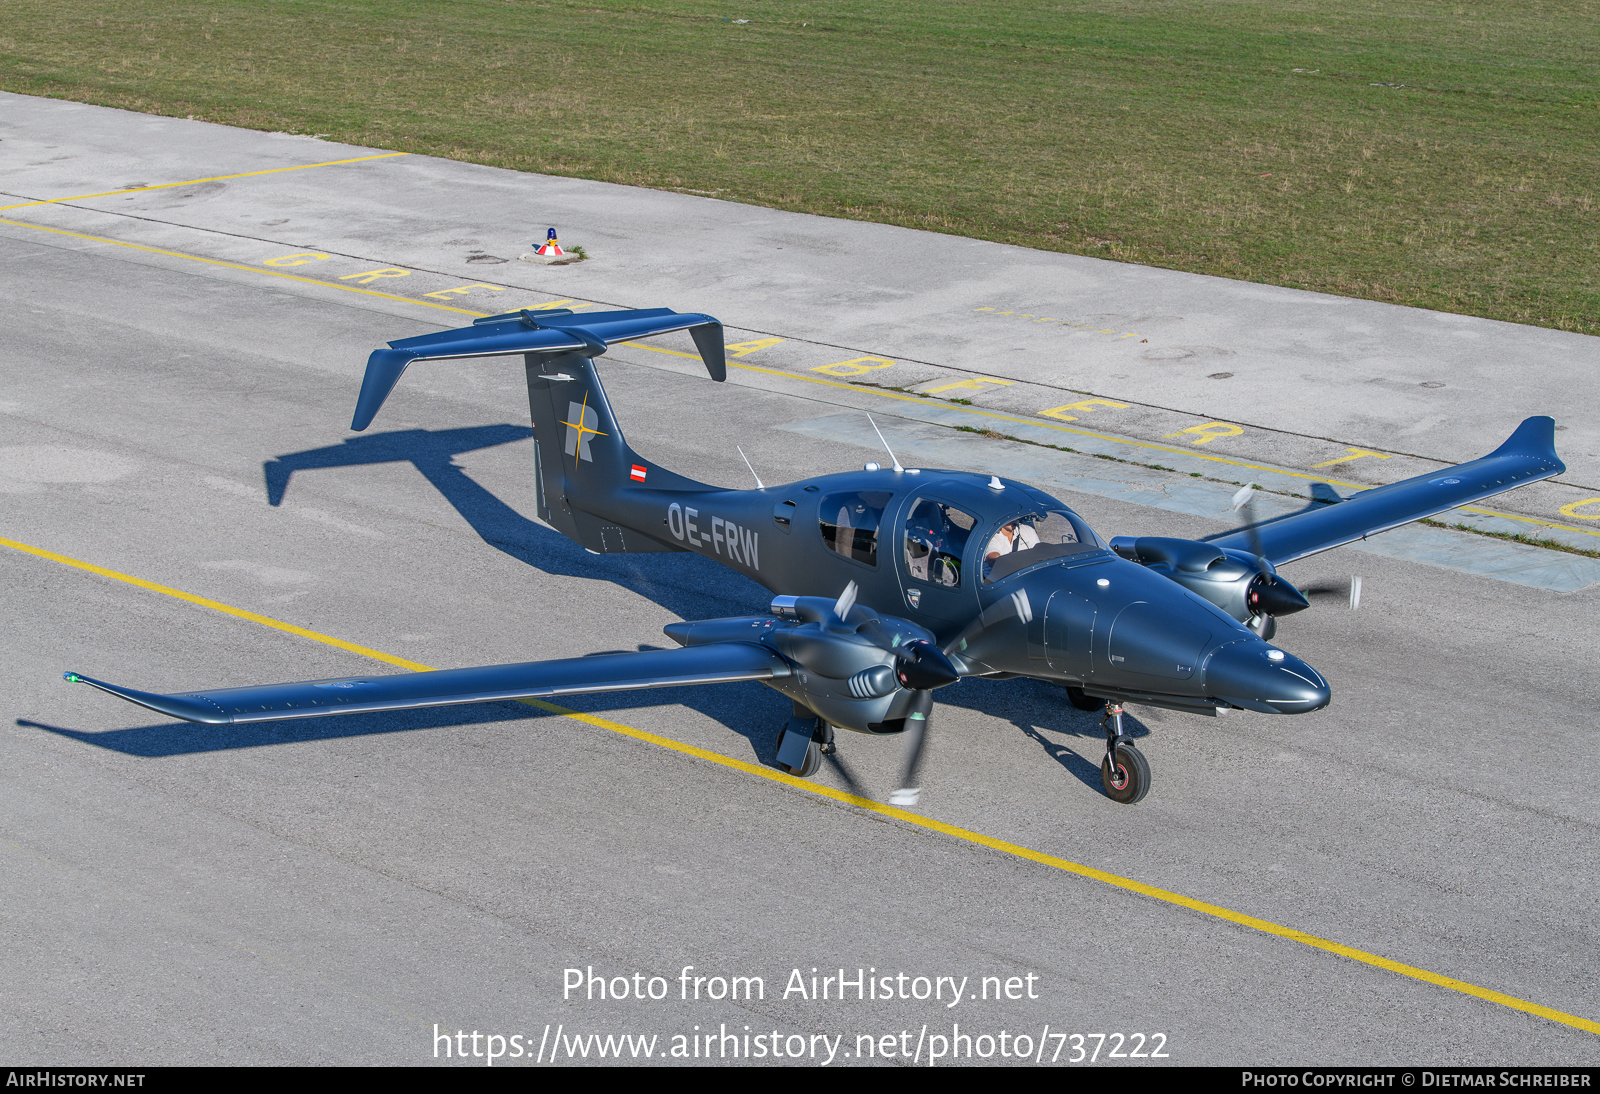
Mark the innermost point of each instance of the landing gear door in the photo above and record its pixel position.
(935, 571)
(1069, 635)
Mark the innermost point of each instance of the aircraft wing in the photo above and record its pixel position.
(718, 663)
(1529, 455)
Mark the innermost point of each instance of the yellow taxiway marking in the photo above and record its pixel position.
(1166, 896)
(1172, 449)
(213, 178)
(215, 605)
(999, 416)
(245, 267)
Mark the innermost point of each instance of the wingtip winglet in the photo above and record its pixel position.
(1535, 437)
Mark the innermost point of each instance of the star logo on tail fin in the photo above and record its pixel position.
(578, 430)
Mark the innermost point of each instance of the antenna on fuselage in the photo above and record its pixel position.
(759, 484)
(886, 447)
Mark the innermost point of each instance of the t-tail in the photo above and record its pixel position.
(592, 487)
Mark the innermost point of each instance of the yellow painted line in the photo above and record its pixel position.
(245, 267)
(1166, 896)
(213, 178)
(1171, 449)
(691, 356)
(1540, 522)
(215, 605)
(768, 371)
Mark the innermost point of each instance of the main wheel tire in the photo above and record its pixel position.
(1129, 781)
(808, 766)
(813, 762)
(1077, 698)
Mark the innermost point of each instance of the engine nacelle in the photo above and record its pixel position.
(1230, 579)
(845, 671)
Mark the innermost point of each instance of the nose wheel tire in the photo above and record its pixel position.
(1128, 779)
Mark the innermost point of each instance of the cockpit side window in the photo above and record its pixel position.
(1036, 537)
(936, 540)
(850, 522)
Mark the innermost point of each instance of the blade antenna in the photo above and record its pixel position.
(759, 484)
(886, 447)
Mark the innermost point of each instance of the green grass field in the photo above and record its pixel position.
(1445, 155)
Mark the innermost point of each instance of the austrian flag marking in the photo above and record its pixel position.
(637, 473)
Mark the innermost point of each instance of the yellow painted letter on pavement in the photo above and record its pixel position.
(1085, 405)
(1571, 509)
(299, 258)
(1354, 454)
(1210, 431)
(744, 349)
(461, 290)
(369, 276)
(854, 367)
(974, 384)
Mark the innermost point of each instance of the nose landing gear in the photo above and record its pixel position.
(1124, 772)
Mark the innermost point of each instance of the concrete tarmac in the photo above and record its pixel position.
(347, 890)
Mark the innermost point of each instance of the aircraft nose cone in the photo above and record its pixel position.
(1259, 676)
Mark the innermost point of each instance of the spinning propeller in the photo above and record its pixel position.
(1327, 590)
(1014, 606)
(1270, 596)
(920, 665)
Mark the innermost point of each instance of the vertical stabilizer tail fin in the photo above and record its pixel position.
(583, 463)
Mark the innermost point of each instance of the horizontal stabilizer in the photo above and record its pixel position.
(1529, 455)
(715, 664)
(547, 331)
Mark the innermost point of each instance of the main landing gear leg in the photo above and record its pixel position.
(1124, 772)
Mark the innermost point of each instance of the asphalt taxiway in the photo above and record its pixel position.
(175, 407)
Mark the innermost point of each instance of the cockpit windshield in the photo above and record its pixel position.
(1037, 537)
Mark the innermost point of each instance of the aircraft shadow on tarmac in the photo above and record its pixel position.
(1041, 713)
(685, 584)
(689, 586)
(1038, 710)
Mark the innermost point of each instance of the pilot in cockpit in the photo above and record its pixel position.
(1012, 538)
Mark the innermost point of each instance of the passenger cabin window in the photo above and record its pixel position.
(936, 540)
(1036, 537)
(849, 523)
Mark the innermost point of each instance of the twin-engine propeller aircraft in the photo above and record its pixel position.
(944, 574)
